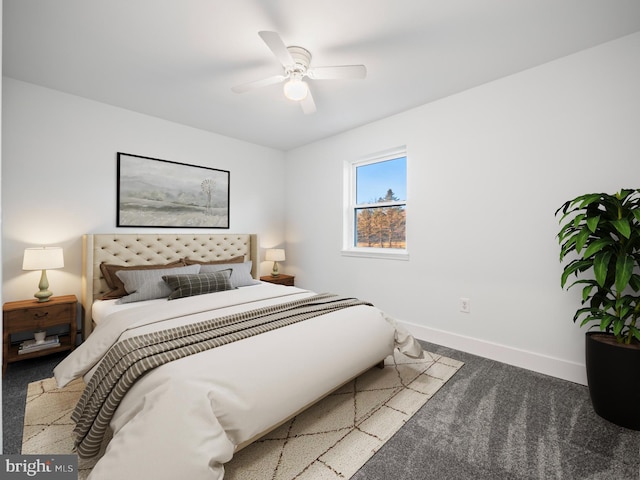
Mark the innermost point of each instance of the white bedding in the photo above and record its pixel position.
(184, 419)
(104, 308)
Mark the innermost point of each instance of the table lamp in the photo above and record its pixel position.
(43, 258)
(275, 255)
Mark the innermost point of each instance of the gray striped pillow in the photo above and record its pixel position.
(240, 273)
(190, 285)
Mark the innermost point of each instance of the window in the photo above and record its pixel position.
(376, 199)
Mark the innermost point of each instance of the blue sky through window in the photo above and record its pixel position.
(373, 180)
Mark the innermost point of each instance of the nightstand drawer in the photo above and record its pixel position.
(36, 318)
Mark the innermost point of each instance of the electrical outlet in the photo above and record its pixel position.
(465, 305)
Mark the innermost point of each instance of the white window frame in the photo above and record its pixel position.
(349, 228)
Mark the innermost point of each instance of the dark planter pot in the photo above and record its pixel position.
(612, 371)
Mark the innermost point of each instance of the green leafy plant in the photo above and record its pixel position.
(601, 233)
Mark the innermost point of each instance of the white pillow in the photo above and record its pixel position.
(240, 274)
(148, 284)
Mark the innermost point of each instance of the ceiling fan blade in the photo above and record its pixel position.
(245, 87)
(307, 104)
(337, 72)
(277, 46)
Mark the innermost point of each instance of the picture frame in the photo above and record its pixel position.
(162, 193)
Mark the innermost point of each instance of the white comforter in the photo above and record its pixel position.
(184, 419)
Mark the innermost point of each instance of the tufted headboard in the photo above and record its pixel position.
(147, 249)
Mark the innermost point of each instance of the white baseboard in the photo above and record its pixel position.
(555, 367)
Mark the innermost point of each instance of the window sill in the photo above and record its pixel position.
(382, 253)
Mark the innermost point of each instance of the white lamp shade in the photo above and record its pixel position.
(42, 258)
(275, 255)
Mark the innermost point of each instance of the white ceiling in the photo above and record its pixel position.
(178, 59)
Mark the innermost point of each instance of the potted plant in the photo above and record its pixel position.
(600, 234)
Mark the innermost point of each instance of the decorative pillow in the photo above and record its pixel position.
(115, 284)
(238, 259)
(240, 273)
(198, 284)
(148, 284)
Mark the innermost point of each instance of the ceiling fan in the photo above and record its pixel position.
(296, 62)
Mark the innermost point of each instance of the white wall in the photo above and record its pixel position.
(59, 177)
(487, 170)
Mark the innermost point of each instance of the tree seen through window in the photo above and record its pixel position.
(380, 221)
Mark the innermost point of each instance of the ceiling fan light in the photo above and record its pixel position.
(296, 89)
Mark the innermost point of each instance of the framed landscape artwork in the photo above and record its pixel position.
(161, 193)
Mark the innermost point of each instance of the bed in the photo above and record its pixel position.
(184, 379)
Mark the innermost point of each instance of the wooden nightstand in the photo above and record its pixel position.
(281, 279)
(31, 315)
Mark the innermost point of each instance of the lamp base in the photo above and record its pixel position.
(274, 271)
(44, 294)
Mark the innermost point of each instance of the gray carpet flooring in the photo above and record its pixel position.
(491, 421)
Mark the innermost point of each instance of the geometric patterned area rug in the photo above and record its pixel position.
(330, 440)
(48, 427)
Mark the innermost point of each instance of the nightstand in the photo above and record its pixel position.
(281, 279)
(26, 316)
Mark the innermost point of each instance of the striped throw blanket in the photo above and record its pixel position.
(129, 359)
